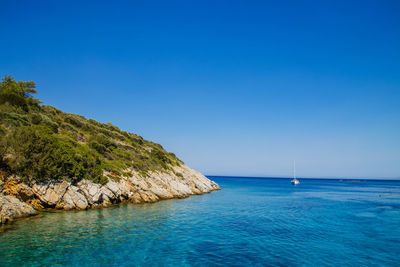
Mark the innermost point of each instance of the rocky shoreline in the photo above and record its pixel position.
(19, 199)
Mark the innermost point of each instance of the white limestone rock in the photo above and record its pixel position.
(72, 199)
(50, 193)
(12, 208)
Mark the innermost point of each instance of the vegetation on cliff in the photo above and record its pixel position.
(39, 142)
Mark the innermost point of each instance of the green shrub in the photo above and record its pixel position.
(143, 173)
(42, 142)
(68, 127)
(52, 111)
(159, 155)
(127, 174)
(112, 127)
(75, 120)
(100, 179)
(139, 165)
(98, 147)
(41, 155)
(35, 118)
(13, 119)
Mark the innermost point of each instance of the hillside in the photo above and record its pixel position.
(46, 153)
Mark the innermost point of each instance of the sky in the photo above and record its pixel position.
(231, 87)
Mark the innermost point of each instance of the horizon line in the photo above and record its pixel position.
(307, 178)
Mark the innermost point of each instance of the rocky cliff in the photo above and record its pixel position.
(19, 199)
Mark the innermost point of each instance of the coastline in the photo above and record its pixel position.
(29, 199)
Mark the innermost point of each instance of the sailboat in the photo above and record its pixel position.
(294, 181)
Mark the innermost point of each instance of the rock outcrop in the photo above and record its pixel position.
(181, 182)
(72, 199)
(12, 208)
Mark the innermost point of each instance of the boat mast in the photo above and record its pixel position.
(294, 169)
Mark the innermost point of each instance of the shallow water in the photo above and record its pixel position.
(252, 221)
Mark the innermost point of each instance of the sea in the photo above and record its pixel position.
(250, 222)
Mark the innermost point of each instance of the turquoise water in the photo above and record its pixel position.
(251, 221)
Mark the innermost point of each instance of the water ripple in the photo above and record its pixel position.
(257, 222)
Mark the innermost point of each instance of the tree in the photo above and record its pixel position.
(18, 93)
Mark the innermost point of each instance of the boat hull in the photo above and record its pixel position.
(295, 182)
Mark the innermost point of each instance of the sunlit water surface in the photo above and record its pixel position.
(251, 221)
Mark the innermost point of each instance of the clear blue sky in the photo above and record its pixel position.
(232, 87)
